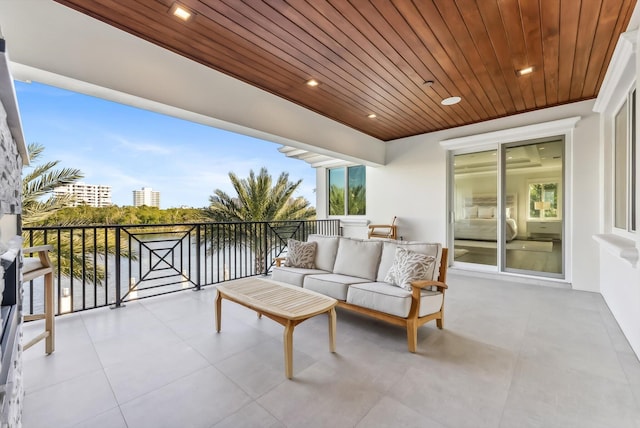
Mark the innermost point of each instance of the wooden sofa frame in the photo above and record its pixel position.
(413, 321)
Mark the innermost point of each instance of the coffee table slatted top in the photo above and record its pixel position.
(282, 299)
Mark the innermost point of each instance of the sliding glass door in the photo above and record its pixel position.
(533, 184)
(475, 205)
(508, 208)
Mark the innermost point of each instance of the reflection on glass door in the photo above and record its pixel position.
(475, 206)
(533, 182)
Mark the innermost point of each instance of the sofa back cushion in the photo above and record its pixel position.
(326, 250)
(427, 248)
(358, 258)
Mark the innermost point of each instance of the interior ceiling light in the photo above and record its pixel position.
(450, 101)
(372, 116)
(428, 83)
(312, 82)
(524, 71)
(181, 12)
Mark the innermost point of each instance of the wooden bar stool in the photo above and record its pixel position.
(35, 267)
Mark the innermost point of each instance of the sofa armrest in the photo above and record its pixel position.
(30, 250)
(279, 261)
(428, 283)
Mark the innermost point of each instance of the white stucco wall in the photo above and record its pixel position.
(619, 278)
(413, 185)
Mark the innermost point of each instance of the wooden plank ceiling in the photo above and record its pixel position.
(374, 56)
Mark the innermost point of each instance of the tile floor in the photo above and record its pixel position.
(511, 355)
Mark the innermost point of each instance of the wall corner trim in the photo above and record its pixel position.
(618, 246)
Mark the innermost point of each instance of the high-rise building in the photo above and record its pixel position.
(146, 196)
(94, 195)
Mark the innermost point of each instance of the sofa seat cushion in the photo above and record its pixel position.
(387, 298)
(331, 284)
(293, 275)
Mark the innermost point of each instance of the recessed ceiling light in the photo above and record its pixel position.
(428, 83)
(181, 12)
(450, 101)
(524, 71)
(312, 82)
(372, 116)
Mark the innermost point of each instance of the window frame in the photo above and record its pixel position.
(629, 102)
(346, 188)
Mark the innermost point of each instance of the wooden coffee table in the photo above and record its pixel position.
(285, 304)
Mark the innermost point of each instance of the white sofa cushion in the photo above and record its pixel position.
(387, 298)
(409, 266)
(331, 284)
(292, 275)
(359, 258)
(326, 250)
(389, 252)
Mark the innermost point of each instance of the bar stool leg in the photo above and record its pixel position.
(49, 312)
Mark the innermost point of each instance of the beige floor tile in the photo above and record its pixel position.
(110, 419)
(250, 416)
(391, 413)
(510, 355)
(150, 371)
(198, 400)
(69, 402)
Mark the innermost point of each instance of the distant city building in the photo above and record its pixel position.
(94, 195)
(147, 197)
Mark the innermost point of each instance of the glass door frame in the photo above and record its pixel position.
(502, 182)
(556, 129)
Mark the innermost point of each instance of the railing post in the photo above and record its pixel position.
(117, 261)
(198, 287)
(266, 246)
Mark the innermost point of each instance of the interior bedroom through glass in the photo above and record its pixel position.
(519, 228)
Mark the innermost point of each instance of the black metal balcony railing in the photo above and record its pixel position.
(110, 265)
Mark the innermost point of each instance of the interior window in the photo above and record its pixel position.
(543, 200)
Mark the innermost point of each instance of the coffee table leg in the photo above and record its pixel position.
(288, 349)
(332, 330)
(218, 310)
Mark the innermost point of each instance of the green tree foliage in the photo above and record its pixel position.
(39, 183)
(357, 200)
(336, 200)
(258, 198)
(126, 215)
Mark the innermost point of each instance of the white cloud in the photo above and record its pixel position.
(142, 146)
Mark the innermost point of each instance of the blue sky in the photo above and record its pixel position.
(129, 148)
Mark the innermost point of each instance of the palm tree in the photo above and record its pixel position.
(37, 185)
(257, 198)
(40, 182)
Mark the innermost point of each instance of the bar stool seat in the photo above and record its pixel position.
(32, 268)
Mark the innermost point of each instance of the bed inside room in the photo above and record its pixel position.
(476, 234)
(477, 220)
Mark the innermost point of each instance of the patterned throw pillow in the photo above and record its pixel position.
(408, 266)
(301, 254)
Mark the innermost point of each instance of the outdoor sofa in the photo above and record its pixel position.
(399, 282)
